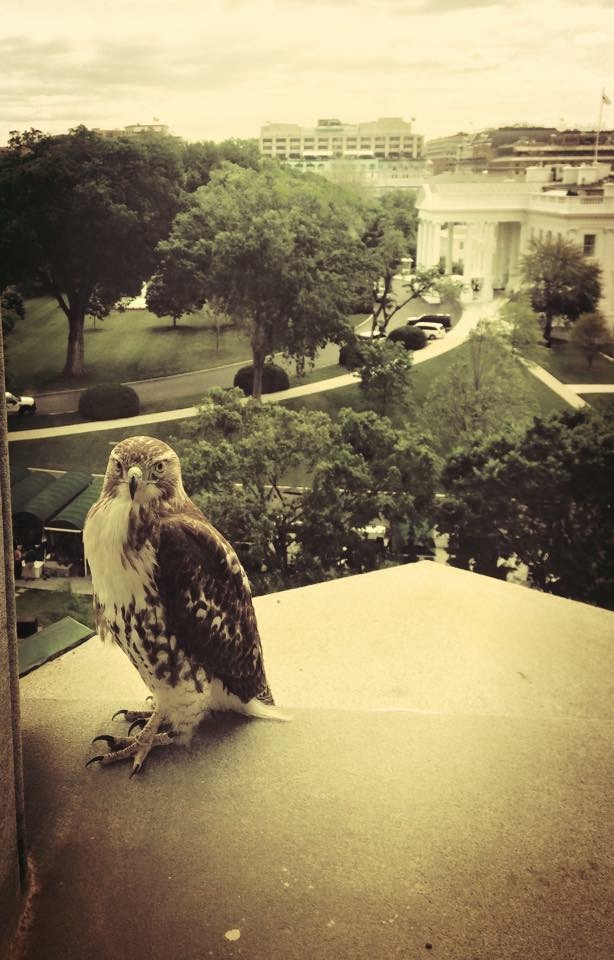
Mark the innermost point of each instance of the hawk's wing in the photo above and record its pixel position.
(209, 606)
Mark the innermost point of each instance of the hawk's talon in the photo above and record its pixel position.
(94, 760)
(139, 722)
(118, 713)
(135, 769)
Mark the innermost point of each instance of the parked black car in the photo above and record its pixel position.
(443, 318)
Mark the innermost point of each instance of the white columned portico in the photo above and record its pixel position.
(428, 244)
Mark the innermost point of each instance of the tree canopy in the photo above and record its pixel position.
(544, 499)
(275, 250)
(481, 393)
(84, 214)
(201, 157)
(561, 281)
(241, 462)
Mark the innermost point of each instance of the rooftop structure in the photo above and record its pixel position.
(389, 138)
(136, 130)
(512, 150)
(443, 788)
(499, 217)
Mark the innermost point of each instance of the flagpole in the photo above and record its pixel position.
(597, 135)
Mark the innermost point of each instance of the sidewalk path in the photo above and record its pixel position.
(564, 390)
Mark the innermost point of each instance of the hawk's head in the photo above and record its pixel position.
(143, 469)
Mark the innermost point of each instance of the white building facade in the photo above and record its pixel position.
(488, 224)
(389, 138)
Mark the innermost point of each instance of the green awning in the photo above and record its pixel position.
(24, 490)
(73, 516)
(55, 496)
(50, 643)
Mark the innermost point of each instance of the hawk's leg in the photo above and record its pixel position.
(137, 748)
(131, 715)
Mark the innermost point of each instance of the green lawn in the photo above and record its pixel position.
(49, 606)
(567, 363)
(133, 345)
(126, 346)
(422, 375)
(85, 451)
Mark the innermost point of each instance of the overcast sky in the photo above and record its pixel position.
(212, 69)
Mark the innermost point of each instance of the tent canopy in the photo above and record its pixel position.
(73, 516)
(54, 496)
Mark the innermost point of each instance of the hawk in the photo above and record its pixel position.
(170, 590)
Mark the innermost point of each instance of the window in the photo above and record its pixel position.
(588, 246)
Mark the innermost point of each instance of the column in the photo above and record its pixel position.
(450, 248)
(489, 239)
(428, 244)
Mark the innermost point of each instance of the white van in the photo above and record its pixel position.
(432, 330)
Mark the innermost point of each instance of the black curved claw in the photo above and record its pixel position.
(135, 769)
(94, 760)
(118, 713)
(139, 722)
(105, 737)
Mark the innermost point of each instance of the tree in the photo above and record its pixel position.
(482, 393)
(12, 308)
(84, 214)
(520, 323)
(562, 283)
(591, 334)
(200, 158)
(236, 459)
(544, 499)
(475, 513)
(274, 249)
(374, 472)
(384, 371)
(389, 235)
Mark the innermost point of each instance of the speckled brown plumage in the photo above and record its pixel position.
(170, 590)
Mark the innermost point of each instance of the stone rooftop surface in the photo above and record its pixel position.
(444, 788)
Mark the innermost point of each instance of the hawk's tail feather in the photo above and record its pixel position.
(264, 711)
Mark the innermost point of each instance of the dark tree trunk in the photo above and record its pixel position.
(75, 353)
(259, 357)
(259, 354)
(548, 330)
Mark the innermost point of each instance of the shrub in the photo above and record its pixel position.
(108, 401)
(274, 379)
(412, 338)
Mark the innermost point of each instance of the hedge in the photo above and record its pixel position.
(412, 338)
(108, 401)
(274, 379)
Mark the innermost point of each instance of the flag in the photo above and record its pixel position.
(605, 99)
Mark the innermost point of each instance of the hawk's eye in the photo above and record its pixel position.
(158, 467)
(118, 467)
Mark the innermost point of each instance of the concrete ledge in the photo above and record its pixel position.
(443, 790)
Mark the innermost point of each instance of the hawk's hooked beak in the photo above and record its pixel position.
(134, 475)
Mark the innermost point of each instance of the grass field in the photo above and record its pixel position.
(568, 364)
(84, 451)
(133, 345)
(544, 401)
(126, 346)
(48, 606)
